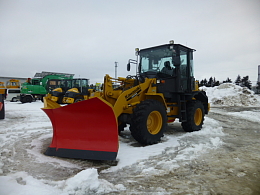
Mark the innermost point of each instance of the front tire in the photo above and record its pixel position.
(148, 122)
(27, 99)
(195, 116)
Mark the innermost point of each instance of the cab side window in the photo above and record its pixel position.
(183, 67)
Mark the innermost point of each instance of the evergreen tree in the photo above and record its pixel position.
(214, 81)
(238, 80)
(217, 83)
(203, 82)
(245, 82)
(228, 80)
(210, 83)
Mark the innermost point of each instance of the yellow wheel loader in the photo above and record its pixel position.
(163, 89)
(70, 91)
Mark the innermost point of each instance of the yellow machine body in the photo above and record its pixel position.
(13, 84)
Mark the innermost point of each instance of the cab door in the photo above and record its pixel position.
(186, 70)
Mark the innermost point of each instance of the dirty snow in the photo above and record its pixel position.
(249, 115)
(28, 122)
(37, 148)
(229, 94)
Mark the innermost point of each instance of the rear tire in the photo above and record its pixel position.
(14, 99)
(195, 116)
(148, 122)
(78, 99)
(27, 99)
(42, 98)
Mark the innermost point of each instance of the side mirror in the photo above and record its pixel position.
(177, 61)
(128, 67)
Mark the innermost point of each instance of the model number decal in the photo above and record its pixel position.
(133, 94)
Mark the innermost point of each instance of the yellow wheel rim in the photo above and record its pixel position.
(154, 122)
(198, 116)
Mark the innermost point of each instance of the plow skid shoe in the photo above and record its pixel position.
(84, 130)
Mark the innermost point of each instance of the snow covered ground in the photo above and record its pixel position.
(26, 131)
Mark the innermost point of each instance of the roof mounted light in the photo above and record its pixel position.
(171, 41)
(136, 51)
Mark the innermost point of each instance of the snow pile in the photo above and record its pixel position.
(87, 182)
(228, 94)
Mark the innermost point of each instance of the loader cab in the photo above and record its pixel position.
(79, 89)
(81, 84)
(52, 84)
(170, 63)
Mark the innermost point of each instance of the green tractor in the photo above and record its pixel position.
(42, 83)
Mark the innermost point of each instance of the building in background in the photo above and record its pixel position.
(5, 79)
(10, 87)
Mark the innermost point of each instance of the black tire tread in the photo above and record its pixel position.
(138, 122)
(190, 126)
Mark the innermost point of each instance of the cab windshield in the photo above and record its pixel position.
(80, 82)
(157, 60)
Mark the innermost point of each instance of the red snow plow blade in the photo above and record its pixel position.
(85, 130)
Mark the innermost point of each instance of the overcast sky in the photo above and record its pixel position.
(87, 37)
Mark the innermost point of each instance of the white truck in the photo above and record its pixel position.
(12, 95)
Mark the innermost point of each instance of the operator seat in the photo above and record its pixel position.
(167, 68)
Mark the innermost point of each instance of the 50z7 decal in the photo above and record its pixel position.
(133, 93)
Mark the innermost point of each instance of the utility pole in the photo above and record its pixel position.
(116, 70)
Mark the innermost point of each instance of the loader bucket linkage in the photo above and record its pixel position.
(84, 130)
